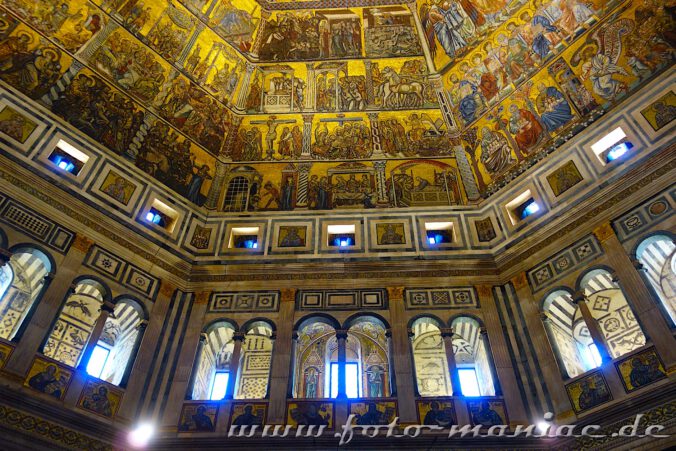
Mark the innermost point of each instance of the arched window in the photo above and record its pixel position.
(429, 357)
(657, 254)
(21, 282)
(214, 363)
(569, 335)
(115, 350)
(472, 360)
(254, 369)
(609, 307)
(367, 354)
(315, 348)
(237, 195)
(75, 323)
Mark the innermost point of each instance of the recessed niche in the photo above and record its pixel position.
(341, 235)
(613, 146)
(523, 206)
(244, 238)
(161, 215)
(438, 233)
(67, 158)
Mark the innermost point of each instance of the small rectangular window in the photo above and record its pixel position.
(341, 235)
(351, 380)
(68, 158)
(97, 361)
(162, 215)
(612, 146)
(244, 238)
(219, 385)
(521, 207)
(469, 382)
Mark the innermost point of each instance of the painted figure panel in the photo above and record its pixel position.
(662, 112)
(487, 412)
(564, 178)
(248, 414)
(436, 412)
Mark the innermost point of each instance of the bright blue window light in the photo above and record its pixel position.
(469, 382)
(343, 240)
(527, 208)
(246, 241)
(595, 355)
(97, 361)
(219, 385)
(351, 380)
(63, 163)
(618, 151)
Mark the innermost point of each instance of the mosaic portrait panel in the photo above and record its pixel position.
(248, 413)
(640, 370)
(47, 377)
(588, 392)
(487, 412)
(310, 413)
(373, 412)
(15, 125)
(102, 399)
(436, 412)
(198, 417)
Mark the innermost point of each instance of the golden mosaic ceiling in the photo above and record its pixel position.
(363, 103)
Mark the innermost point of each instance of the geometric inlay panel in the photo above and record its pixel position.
(245, 301)
(371, 298)
(441, 298)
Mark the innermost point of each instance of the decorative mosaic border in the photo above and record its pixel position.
(441, 298)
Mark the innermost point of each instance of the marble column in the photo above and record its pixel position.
(381, 183)
(547, 323)
(273, 339)
(217, 185)
(59, 288)
(243, 94)
(283, 360)
(483, 336)
(141, 370)
(377, 147)
(303, 179)
(306, 151)
(639, 295)
(233, 369)
(140, 331)
(258, 41)
(107, 311)
(403, 356)
(195, 365)
(447, 336)
(341, 339)
(390, 361)
(580, 300)
(137, 141)
(62, 83)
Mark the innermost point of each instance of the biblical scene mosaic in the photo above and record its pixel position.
(486, 86)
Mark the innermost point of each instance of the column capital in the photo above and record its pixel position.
(273, 336)
(410, 332)
(167, 288)
(249, 67)
(307, 118)
(238, 336)
(413, 6)
(483, 332)
(520, 280)
(388, 333)
(294, 335)
(288, 294)
(341, 334)
(304, 167)
(82, 243)
(544, 317)
(578, 297)
(108, 307)
(203, 338)
(373, 117)
(142, 325)
(395, 293)
(637, 264)
(447, 332)
(5, 256)
(379, 165)
(435, 80)
(484, 290)
(202, 297)
(604, 232)
(265, 14)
